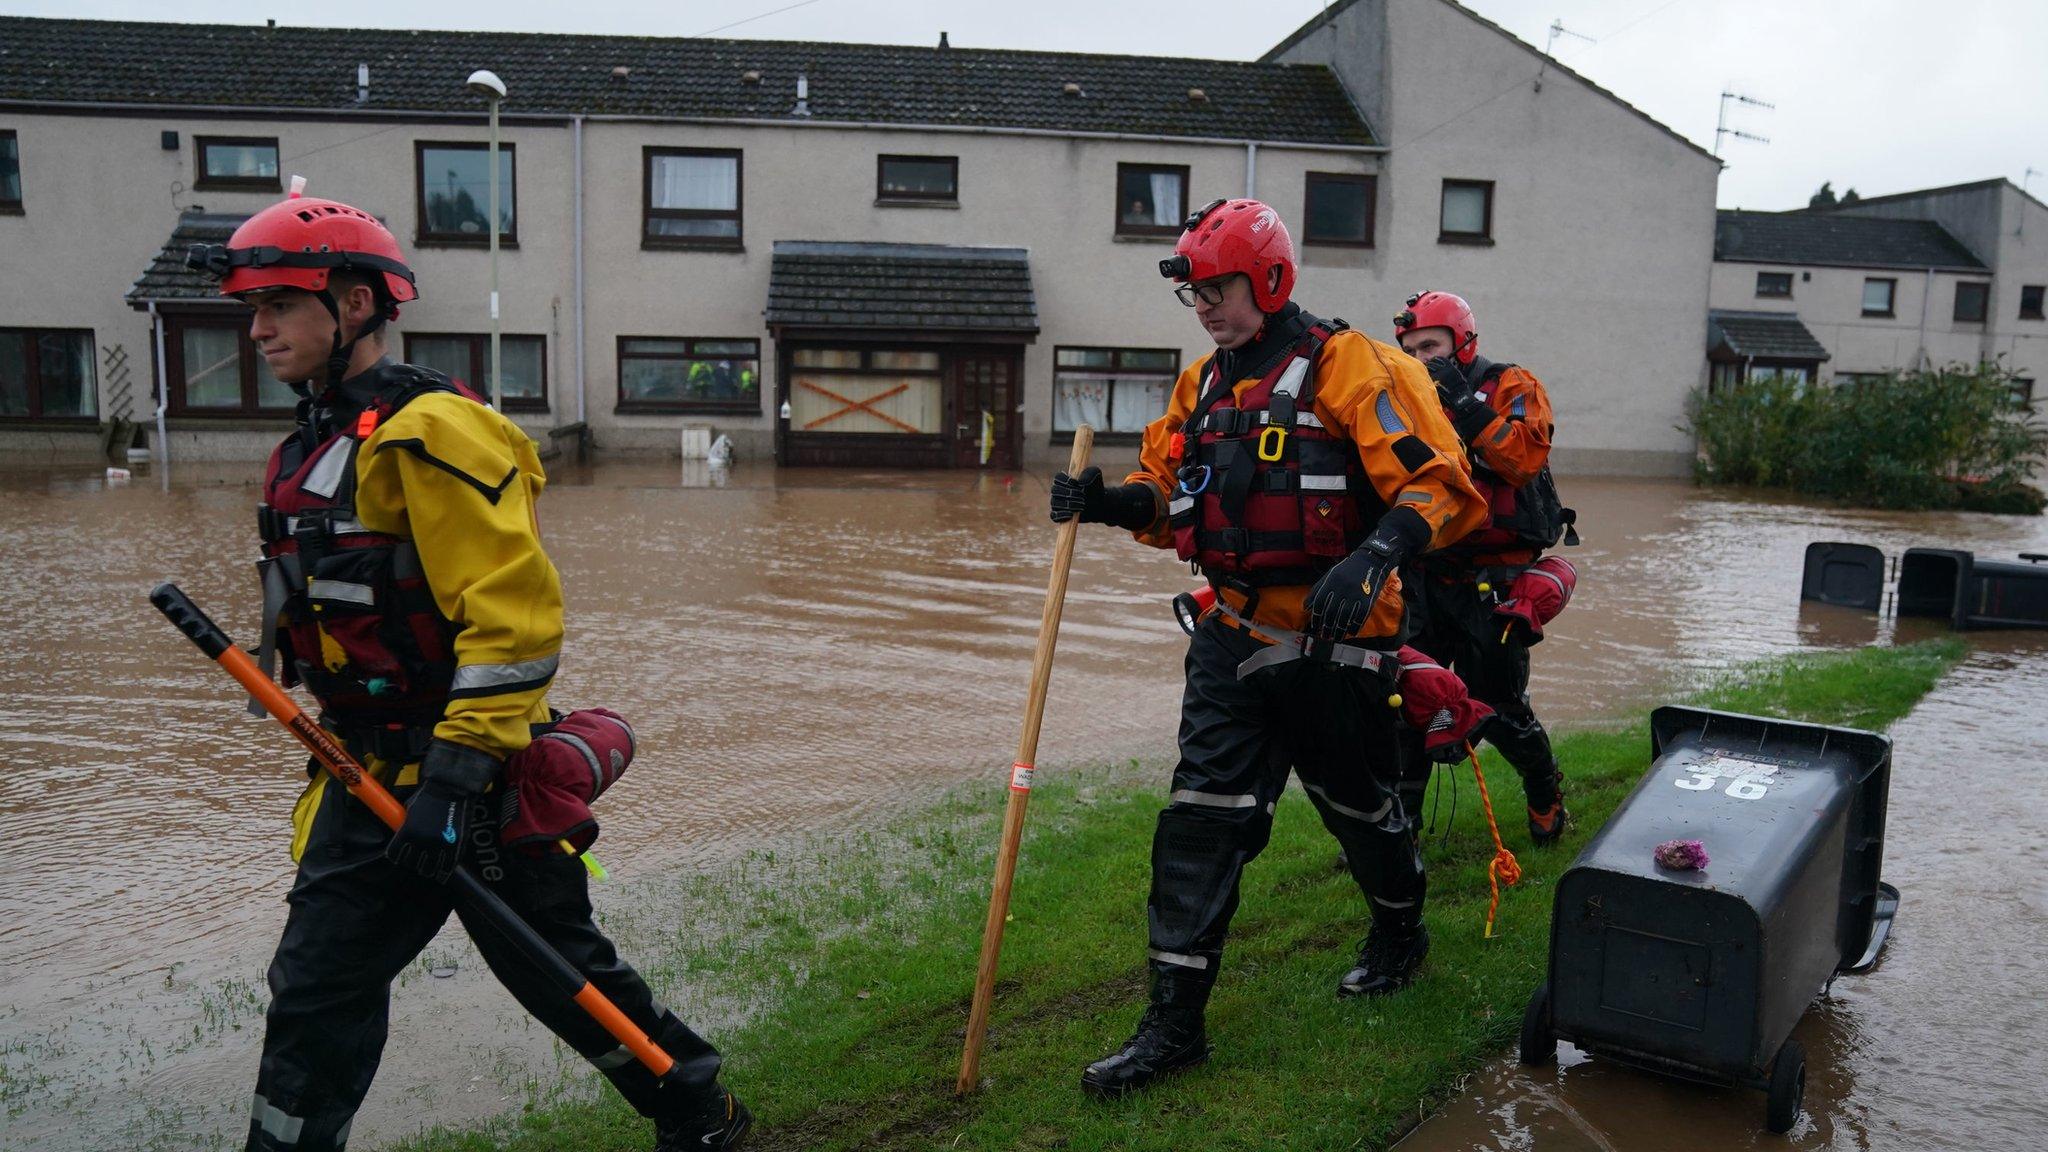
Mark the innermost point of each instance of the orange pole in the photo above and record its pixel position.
(1020, 782)
(201, 630)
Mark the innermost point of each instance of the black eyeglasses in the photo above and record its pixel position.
(1210, 294)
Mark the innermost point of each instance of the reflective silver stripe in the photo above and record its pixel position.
(1393, 903)
(1390, 420)
(276, 1123)
(1415, 497)
(1290, 380)
(471, 677)
(1283, 645)
(1212, 799)
(616, 1058)
(1180, 505)
(1552, 577)
(1355, 814)
(342, 590)
(291, 524)
(325, 478)
(632, 746)
(1180, 958)
(1301, 419)
(1321, 483)
(589, 757)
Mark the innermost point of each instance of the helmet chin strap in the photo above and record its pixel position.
(342, 352)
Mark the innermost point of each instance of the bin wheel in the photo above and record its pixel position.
(1788, 1085)
(1539, 1039)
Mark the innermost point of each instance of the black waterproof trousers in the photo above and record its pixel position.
(1238, 738)
(1457, 629)
(356, 922)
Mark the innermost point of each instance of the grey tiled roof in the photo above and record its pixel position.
(314, 69)
(1831, 238)
(929, 287)
(1763, 335)
(168, 278)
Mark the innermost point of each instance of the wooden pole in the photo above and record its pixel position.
(1020, 782)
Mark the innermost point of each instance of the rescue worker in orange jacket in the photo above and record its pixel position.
(406, 588)
(1502, 414)
(1298, 467)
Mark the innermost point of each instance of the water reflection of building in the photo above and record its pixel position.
(931, 256)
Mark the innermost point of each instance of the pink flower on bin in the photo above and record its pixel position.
(1681, 855)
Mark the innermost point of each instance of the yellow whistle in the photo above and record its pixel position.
(1394, 701)
(1485, 587)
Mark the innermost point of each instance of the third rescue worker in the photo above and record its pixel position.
(1502, 414)
(1298, 467)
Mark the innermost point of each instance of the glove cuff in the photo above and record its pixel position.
(458, 768)
(1472, 419)
(1401, 533)
(1132, 507)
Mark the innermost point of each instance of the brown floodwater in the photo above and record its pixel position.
(808, 652)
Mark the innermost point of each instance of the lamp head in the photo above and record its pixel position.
(486, 84)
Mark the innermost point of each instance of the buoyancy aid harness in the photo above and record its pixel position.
(349, 609)
(1265, 494)
(1529, 517)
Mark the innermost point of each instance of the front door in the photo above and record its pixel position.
(984, 408)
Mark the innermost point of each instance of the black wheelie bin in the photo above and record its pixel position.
(1702, 973)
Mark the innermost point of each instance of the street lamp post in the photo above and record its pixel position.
(486, 84)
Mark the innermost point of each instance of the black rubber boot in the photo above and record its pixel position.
(1387, 962)
(721, 1123)
(1168, 1040)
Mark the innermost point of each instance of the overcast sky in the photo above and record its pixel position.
(1879, 95)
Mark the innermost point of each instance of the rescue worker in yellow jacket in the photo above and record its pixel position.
(1298, 467)
(1502, 413)
(405, 587)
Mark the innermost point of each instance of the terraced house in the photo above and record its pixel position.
(834, 253)
(1918, 279)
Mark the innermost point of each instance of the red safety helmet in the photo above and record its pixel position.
(1228, 236)
(1427, 309)
(299, 243)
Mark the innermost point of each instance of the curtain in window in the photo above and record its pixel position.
(1166, 210)
(213, 368)
(709, 183)
(1078, 401)
(1137, 403)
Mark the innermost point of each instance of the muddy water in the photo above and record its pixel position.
(801, 651)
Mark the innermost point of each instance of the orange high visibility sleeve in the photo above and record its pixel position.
(1517, 444)
(1158, 466)
(1385, 401)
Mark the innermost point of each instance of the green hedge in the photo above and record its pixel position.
(1953, 438)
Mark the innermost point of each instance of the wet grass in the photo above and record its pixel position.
(857, 960)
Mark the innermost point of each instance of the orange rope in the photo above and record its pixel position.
(1503, 868)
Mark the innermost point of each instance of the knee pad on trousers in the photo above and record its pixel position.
(1196, 860)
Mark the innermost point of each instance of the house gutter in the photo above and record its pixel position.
(559, 119)
(1251, 172)
(163, 392)
(576, 128)
(1922, 359)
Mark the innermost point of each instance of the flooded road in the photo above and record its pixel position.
(801, 652)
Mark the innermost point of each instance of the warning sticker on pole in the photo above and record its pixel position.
(1020, 777)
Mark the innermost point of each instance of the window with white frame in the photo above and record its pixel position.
(1113, 390)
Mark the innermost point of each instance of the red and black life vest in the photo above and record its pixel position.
(1266, 495)
(1524, 519)
(349, 609)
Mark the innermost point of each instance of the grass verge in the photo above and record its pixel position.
(860, 958)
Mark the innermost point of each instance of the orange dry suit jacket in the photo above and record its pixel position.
(1351, 373)
(1508, 452)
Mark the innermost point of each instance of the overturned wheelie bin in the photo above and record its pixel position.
(1736, 880)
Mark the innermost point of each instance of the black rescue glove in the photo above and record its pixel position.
(1341, 601)
(1469, 414)
(1130, 506)
(436, 826)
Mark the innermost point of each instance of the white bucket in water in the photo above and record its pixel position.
(696, 443)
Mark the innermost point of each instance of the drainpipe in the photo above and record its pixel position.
(577, 125)
(163, 392)
(1921, 359)
(1251, 170)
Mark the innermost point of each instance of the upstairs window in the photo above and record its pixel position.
(246, 163)
(455, 194)
(1339, 209)
(693, 198)
(918, 179)
(47, 374)
(1467, 214)
(1973, 301)
(10, 172)
(2030, 301)
(1152, 199)
(1877, 295)
(522, 364)
(1774, 285)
